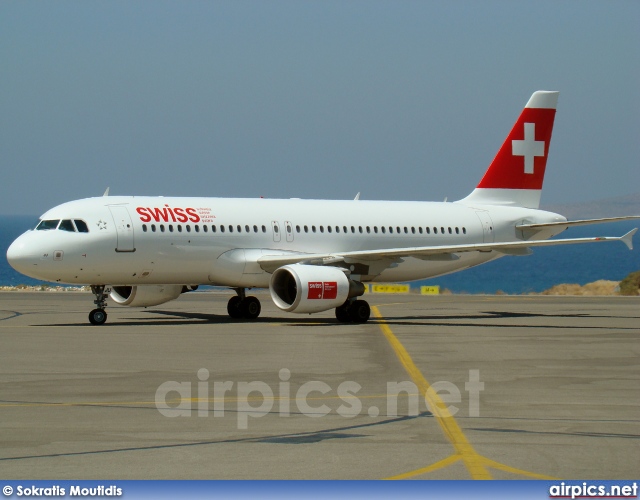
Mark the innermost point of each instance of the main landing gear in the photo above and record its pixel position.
(243, 307)
(99, 316)
(356, 311)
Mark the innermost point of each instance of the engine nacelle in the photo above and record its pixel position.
(299, 288)
(145, 295)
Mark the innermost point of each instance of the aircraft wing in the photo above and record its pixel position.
(571, 223)
(439, 252)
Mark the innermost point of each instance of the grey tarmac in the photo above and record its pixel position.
(311, 398)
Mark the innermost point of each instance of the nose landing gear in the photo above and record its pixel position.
(99, 316)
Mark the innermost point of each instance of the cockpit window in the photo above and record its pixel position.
(81, 225)
(47, 225)
(67, 225)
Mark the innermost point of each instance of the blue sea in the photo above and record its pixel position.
(514, 275)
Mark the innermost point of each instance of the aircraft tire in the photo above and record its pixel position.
(250, 308)
(359, 311)
(98, 317)
(342, 313)
(233, 307)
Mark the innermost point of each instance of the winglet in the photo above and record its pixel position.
(627, 239)
(106, 193)
(357, 196)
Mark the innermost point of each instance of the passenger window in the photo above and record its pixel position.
(239, 228)
(313, 229)
(353, 229)
(221, 228)
(322, 229)
(255, 229)
(375, 229)
(171, 228)
(406, 230)
(162, 228)
(275, 229)
(398, 229)
(435, 230)
(144, 228)
(205, 228)
(360, 229)
(428, 230)
(464, 230)
(413, 230)
(264, 229)
(180, 228)
(196, 228)
(67, 225)
(81, 226)
(247, 228)
(420, 229)
(188, 227)
(230, 228)
(153, 228)
(390, 229)
(328, 229)
(449, 230)
(344, 229)
(457, 230)
(213, 228)
(337, 229)
(383, 229)
(441, 230)
(306, 229)
(47, 225)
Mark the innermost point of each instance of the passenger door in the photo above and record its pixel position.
(124, 228)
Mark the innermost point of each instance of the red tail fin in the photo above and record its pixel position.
(516, 174)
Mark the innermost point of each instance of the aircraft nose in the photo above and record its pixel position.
(19, 256)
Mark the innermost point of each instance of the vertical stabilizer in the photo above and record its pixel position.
(516, 174)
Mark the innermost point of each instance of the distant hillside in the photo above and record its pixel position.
(609, 207)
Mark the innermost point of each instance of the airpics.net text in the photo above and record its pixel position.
(256, 399)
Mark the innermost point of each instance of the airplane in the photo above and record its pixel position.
(312, 255)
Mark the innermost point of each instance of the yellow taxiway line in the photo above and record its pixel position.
(477, 465)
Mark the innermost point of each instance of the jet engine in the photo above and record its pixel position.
(300, 288)
(147, 295)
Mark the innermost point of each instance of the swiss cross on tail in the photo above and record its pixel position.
(516, 174)
(529, 147)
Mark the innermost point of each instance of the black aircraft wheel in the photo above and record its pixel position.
(250, 308)
(233, 307)
(359, 311)
(342, 313)
(98, 317)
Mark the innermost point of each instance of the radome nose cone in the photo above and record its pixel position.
(17, 255)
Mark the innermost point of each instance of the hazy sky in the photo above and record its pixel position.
(401, 100)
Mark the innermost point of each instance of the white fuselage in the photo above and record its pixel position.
(217, 241)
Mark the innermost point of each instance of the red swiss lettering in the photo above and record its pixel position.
(144, 216)
(315, 290)
(180, 215)
(194, 215)
(168, 214)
